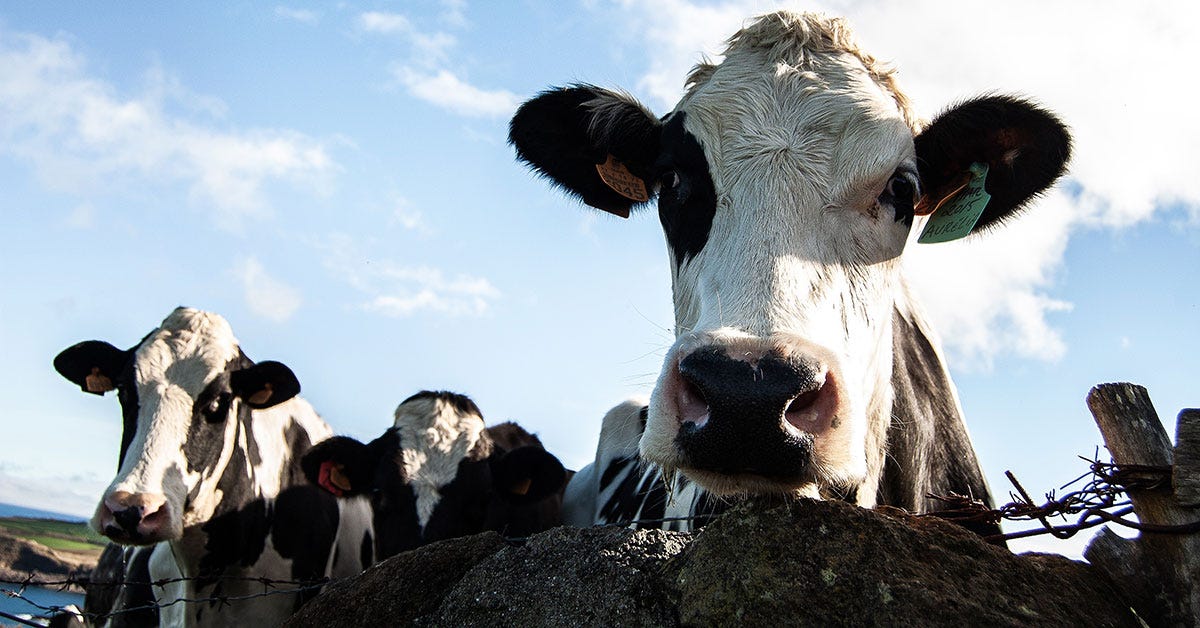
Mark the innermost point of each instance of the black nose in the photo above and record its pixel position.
(129, 518)
(748, 401)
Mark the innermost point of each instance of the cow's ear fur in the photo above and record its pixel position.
(1025, 147)
(564, 133)
(342, 466)
(264, 384)
(93, 365)
(527, 474)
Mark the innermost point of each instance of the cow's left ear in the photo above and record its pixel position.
(1024, 147)
(93, 365)
(264, 384)
(527, 474)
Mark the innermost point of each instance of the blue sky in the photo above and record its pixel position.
(334, 180)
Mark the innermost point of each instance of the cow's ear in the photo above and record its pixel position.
(264, 384)
(1024, 147)
(93, 365)
(341, 465)
(597, 144)
(527, 474)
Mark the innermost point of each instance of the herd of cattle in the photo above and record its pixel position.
(788, 179)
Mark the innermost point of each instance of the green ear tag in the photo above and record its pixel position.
(957, 216)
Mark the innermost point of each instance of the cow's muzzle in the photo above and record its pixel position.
(752, 412)
(133, 518)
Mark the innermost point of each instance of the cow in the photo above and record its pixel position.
(438, 473)
(209, 479)
(788, 179)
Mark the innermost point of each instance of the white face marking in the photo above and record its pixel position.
(800, 259)
(434, 439)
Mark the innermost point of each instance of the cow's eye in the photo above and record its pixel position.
(669, 180)
(902, 193)
(215, 409)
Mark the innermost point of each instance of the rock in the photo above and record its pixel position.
(21, 558)
(805, 563)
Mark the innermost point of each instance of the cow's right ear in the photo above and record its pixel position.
(597, 144)
(343, 466)
(93, 365)
(527, 474)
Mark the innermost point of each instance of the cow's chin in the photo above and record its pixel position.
(746, 484)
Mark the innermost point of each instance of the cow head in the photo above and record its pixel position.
(787, 182)
(436, 474)
(184, 392)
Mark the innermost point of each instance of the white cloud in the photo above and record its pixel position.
(82, 217)
(386, 23)
(304, 16)
(404, 215)
(400, 290)
(82, 136)
(446, 90)
(75, 495)
(266, 296)
(1115, 72)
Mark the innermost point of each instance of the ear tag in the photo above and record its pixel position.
(97, 382)
(622, 181)
(332, 479)
(522, 487)
(956, 216)
(262, 396)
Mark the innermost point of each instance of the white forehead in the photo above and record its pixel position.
(186, 351)
(797, 97)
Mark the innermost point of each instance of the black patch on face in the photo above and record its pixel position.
(366, 552)
(462, 404)
(687, 199)
(462, 508)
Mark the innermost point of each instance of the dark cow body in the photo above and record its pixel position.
(209, 480)
(788, 179)
(498, 478)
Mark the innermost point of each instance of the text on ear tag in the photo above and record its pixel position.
(97, 382)
(956, 216)
(262, 396)
(622, 181)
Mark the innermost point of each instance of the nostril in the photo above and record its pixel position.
(693, 407)
(129, 518)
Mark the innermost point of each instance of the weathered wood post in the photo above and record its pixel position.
(1160, 572)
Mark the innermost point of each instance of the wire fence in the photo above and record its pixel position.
(1102, 498)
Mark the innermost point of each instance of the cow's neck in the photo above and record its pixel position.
(929, 451)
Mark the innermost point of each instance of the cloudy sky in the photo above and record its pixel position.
(334, 180)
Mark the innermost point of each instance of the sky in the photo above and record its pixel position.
(334, 180)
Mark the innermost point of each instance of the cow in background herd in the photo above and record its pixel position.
(211, 484)
(439, 473)
(788, 179)
(209, 474)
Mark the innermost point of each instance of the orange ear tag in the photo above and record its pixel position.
(331, 478)
(521, 487)
(261, 396)
(622, 181)
(97, 382)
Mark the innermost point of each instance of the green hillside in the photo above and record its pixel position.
(64, 535)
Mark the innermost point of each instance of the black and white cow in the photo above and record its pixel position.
(788, 179)
(209, 473)
(438, 473)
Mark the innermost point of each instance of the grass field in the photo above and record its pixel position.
(62, 535)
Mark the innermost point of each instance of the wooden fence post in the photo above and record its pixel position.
(1159, 572)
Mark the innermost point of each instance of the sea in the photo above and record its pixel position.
(45, 597)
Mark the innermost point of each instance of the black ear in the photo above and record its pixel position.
(264, 384)
(342, 466)
(93, 365)
(569, 134)
(527, 474)
(1025, 147)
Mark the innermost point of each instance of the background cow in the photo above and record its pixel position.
(209, 473)
(788, 178)
(438, 473)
